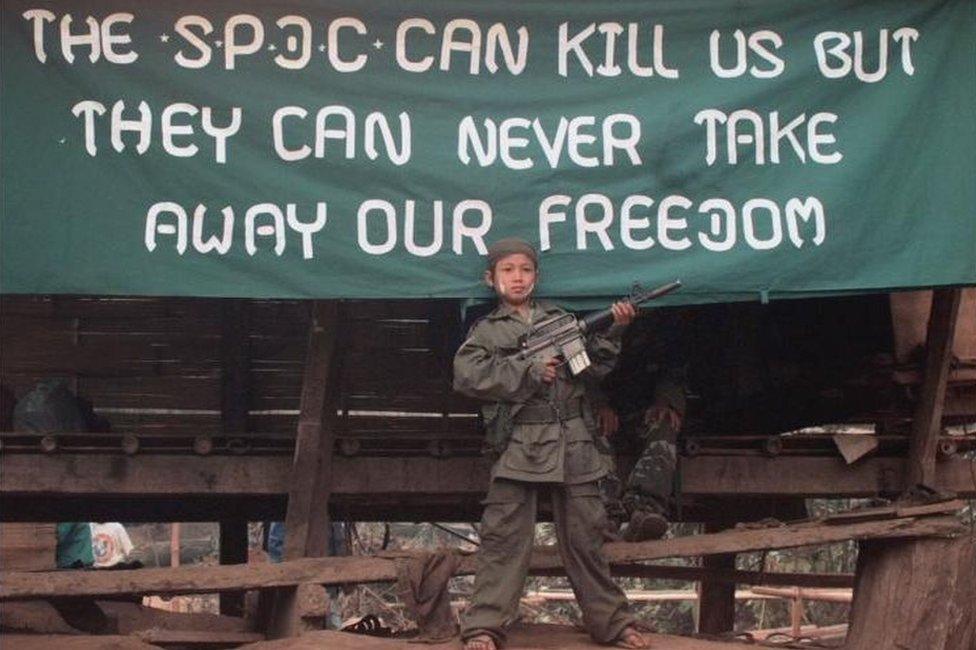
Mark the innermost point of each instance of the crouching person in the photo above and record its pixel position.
(533, 412)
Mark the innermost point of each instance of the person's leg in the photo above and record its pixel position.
(650, 487)
(507, 534)
(611, 493)
(580, 523)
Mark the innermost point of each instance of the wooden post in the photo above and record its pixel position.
(307, 518)
(307, 521)
(235, 362)
(716, 599)
(796, 612)
(927, 422)
(233, 550)
(914, 594)
(235, 366)
(174, 544)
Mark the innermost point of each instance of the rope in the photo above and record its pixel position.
(451, 531)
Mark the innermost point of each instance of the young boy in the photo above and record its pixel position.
(535, 415)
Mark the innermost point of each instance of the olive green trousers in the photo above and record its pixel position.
(507, 535)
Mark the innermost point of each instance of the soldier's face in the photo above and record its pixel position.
(513, 278)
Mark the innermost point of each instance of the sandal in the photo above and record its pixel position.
(632, 639)
(480, 642)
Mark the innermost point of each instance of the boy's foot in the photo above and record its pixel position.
(485, 642)
(631, 638)
(644, 526)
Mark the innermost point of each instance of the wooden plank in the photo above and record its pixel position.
(927, 423)
(275, 389)
(342, 570)
(98, 475)
(392, 400)
(200, 392)
(726, 576)
(277, 350)
(822, 595)
(392, 335)
(164, 475)
(365, 367)
(273, 422)
(126, 308)
(28, 547)
(392, 309)
(314, 435)
(425, 426)
(191, 324)
(797, 476)
(198, 638)
(74, 641)
(520, 637)
(746, 540)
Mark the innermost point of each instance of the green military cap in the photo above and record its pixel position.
(511, 246)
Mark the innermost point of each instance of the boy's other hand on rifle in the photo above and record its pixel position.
(624, 313)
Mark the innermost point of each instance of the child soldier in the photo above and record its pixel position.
(534, 416)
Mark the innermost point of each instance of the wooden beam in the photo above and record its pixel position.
(927, 422)
(196, 638)
(408, 479)
(822, 595)
(233, 550)
(716, 599)
(726, 576)
(307, 518)
(341, 570)
(235, 366)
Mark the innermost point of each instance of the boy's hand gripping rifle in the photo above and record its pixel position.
(565, 335)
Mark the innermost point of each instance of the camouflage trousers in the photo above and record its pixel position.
(650, 484)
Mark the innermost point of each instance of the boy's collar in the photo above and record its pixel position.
(505, 310)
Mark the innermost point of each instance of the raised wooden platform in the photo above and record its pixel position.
(523, 637)
(68, 642)
(532, 637)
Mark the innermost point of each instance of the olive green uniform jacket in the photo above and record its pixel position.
(487, 367)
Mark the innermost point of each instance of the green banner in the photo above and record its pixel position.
(373, 149)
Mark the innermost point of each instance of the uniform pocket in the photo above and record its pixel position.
(533, 450)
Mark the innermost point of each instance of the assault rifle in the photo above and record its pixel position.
(565, 335)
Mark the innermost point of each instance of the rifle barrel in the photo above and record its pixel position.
(603, 318)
